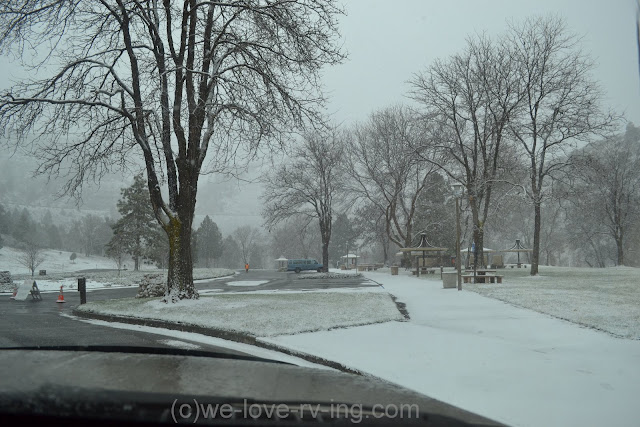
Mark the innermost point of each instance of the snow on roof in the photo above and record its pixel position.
(350, 256)
(483, 249)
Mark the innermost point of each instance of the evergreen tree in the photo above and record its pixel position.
(55, 240)
(157, 248)
(23, 227)
(209, 241)
(137, 227)
(5, 221)
(47, 219)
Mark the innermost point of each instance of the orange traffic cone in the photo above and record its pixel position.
(15, 292)
(61, 296)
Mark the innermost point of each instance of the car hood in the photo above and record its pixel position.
(171, 377)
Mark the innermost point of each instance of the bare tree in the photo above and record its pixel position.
(31, 256)
(296, 238)
(469, 99)
(561, 104)
(164, 82)
(385, 171)
(605, 180)
(88, 230)
(245, 236)
(371, 225)
(117, 251)
(307, 184)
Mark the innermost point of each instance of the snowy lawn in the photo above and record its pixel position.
(601, 298)
(263, 314)
(109, 279)
(330, 275)
(514, 365)
(56, 262)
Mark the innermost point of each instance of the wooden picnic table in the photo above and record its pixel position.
(482, 278)
(425, 270)
(368, 267)
(481, 271)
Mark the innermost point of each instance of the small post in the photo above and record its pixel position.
(458, 260)
(82, 288)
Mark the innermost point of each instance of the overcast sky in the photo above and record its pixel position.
(389, 41)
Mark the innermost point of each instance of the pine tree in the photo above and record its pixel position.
(24, 226)
(5, 220)
(137, 226)
(209, 241)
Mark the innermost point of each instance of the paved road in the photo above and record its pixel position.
(28, 323)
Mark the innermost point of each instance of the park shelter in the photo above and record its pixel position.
(350, 261)
(282, 263)
(517, 248)
(420, 252)
(468, 256)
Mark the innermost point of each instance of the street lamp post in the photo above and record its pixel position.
(457, 188)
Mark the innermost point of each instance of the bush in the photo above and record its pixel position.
(151, 285)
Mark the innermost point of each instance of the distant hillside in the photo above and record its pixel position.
(229, 203)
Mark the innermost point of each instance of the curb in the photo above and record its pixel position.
(217, 333)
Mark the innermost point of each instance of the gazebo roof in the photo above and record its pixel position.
(430, 249)
(424, 246)
(485, 250)
(517, 248)
(350, 256)
(282, 259)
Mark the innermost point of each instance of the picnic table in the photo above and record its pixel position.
(482, 275)
(368, 267)
(425, 270)
(481, 271)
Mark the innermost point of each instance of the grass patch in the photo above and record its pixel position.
(260, 315)
(602, 298)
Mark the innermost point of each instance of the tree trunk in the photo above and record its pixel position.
(478, 238)
(620, 251)
(385, 249)
(325, 256)
(535, 256)
(325, 234)
(478, 233)
(180, 276)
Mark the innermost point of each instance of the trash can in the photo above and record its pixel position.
(394, 270)
(449, 279)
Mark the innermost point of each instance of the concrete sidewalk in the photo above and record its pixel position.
(514, 365)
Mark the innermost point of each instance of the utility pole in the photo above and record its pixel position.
(458, 260)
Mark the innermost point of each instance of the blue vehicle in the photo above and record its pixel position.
(299, 265)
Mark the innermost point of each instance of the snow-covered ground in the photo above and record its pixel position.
(61, 272)
(514, 365)
(264, 313)
(602, 298)
(57, 262)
